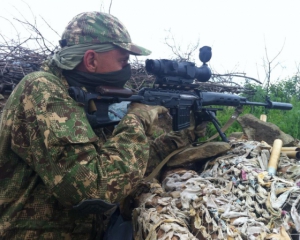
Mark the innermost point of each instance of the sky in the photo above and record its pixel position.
(242, 33)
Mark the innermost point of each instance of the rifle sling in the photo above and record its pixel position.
(230, 121)
(162, 163)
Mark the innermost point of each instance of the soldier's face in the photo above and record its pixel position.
(111, 61)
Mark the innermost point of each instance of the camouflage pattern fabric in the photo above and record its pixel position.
(147, 114)
(165, 144)
(51, 159)
(99, 28)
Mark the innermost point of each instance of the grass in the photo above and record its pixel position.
(287, 121)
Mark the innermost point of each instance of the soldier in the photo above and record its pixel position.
(50, 157)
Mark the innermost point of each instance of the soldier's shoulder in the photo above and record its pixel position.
(41, 80)
(39, 76)
(37, 83)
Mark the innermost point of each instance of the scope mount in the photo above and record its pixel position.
(172, 82)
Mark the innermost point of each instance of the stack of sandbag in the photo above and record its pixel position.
(231, 197)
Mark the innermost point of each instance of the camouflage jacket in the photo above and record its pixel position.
(51, 159)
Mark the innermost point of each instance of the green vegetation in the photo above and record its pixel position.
(284, 91)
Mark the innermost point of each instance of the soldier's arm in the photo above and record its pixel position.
(61, 147)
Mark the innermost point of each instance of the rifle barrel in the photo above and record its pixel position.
(223, 99)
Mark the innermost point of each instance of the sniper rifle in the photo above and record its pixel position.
(174, 88)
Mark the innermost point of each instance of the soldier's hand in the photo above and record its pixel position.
(147, 114)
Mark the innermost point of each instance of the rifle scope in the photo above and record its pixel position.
(186, 70)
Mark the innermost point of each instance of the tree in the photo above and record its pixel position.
(269, 65)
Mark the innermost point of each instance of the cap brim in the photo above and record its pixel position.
(134, 49)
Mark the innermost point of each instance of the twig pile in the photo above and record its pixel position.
(15, 62)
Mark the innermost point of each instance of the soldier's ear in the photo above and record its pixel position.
(90, 61)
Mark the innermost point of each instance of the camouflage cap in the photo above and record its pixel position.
(99, 28)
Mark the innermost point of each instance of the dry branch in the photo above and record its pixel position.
(16, 61)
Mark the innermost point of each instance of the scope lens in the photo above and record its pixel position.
(152, 66)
